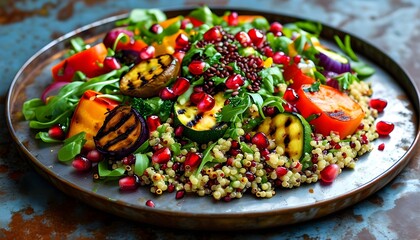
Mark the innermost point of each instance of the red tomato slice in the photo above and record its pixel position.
(336, 111)
(88, 61)
(294, 75)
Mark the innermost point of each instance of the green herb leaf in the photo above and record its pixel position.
(271, 77)
(72, 147)
(142, 162)
(237, 105)
(104, 172)
(246, 149)
(313, 88)
(207, 157)
(345, 80)
(203, 14)
(45, 137)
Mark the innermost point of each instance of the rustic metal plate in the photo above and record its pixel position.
(372, 172)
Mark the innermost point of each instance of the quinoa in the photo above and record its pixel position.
(232, 176)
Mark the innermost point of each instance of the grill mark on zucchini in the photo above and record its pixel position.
(290, 131)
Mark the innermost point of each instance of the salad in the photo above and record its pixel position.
(209, 105)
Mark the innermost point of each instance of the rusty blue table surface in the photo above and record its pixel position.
(30, 207)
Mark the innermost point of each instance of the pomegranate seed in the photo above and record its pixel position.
(232, 19)
(243, 38)
(128, 183)
(167, 94)
(378, 104)
(234, 144)
(181, 41)
(111, 63)
(162, 155)
(281, 171)
(207, 103)
(179, 194)
(290, 95)
(128, 160)
(196, 67)
(276, 27)
(281, 58)
(198, 89)
(364, 139)
(171, 188)
(314, 158)
(147, 53)
(213, 34)
(381, 147)
(180, 86)
(153, 122)
(384, 128)
(178, 131)
(268, 51)
(150, 203)
(156, 28)
(179, 55)
(81, 163)
(256, 36)
(56, 132)
(185, 23)
(269, 111)
(192, 160)
(260, 140)
(250, 176)
(329, 173)
(94, 156)
(196, 97)
(297, 58)
(264, 152)
(234, 152)
(247, 137)
(234, 82)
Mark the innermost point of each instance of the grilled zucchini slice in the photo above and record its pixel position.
(200, 127)
(122, 132)
(148, 77)
(290, 131)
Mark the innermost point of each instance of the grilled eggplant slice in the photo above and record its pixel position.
(148, 77)
(122, 132)
(290, 131)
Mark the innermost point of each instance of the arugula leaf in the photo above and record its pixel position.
(45, 137)
(207, 157)
(104, 172)
(72, 147)
(345, 80)
(237, 105)
(271, 77)
(142, 162)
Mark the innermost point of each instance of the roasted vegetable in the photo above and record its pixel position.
(201, 127)
(148, 77)
(334, 111)
(88, 61)
(123, 131)
(290, 131)
(89, 115)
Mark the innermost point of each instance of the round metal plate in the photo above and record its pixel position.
(372, 171)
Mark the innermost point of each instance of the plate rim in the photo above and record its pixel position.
(390, 174)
